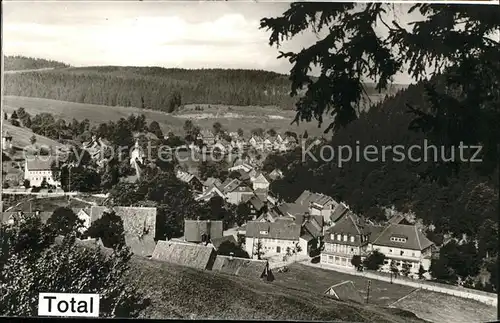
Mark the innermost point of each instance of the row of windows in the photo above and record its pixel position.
(397, 239)
(344, 238)
(340, 248)
(268, 240)
(40, 172)
(400, 263)
(401, 252)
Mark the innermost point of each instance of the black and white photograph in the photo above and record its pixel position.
(232, 160)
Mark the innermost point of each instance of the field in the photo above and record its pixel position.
(179, 292)
(318, 280)
(446, 309)
(21, 136)
(29, 204)
(231, 118)
(435, 307)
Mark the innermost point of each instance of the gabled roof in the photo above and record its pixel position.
(39, 163)
(308, 197)
(216, 242)
(195, 229)
(243, 267)
(185, 176)
(350, 225)
(345, 291)
(285, 230)
(415, 239)
(212, 181)
(185, 254)
(260, 178)
(256, 202)
(338, 212)
(211, 192)
(293, 209)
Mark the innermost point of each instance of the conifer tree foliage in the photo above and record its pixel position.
(460, 42)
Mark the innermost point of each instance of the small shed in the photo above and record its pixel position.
(345, 291)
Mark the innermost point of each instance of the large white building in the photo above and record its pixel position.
(403, 244)
(36, 169)
(277, 234)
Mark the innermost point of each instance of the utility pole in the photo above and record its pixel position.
(368, 291)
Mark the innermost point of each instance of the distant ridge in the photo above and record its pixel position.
(21, 63)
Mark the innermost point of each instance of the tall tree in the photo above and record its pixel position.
(460, 42)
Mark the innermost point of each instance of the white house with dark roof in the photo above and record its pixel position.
(401, 243)
(277, 232)
(38, 168)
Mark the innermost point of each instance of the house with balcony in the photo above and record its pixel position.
(349, 237)
(403, 244)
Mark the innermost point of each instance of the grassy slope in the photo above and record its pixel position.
(258, 117)
(21, 136)
(180, 292)
(430, 306)
(438, 307)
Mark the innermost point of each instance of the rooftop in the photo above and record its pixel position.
(185, 254)
(415, 239)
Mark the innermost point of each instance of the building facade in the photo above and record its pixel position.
(38, 169)
(343, 241)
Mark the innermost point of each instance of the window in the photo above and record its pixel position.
(413, 254)
(386, 262)
(345, 237)
(263, 232)
(339, 238)
(352, 250)
(332, 236)
(352, 238)
(390, 250)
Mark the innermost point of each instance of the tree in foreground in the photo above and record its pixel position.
(108, 228)
(374, 261)
(459, 42)
(31, 261)
(64, 221)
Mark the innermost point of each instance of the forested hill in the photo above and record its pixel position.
(19, 63)
(155, 87)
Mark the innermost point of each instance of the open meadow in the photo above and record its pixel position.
(437, 307)
(431, 306)
(231, 117)
(181, 292)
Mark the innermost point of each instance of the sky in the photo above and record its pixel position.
(167, 34)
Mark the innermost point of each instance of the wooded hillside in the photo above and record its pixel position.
(155, 87)
(19, 63)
